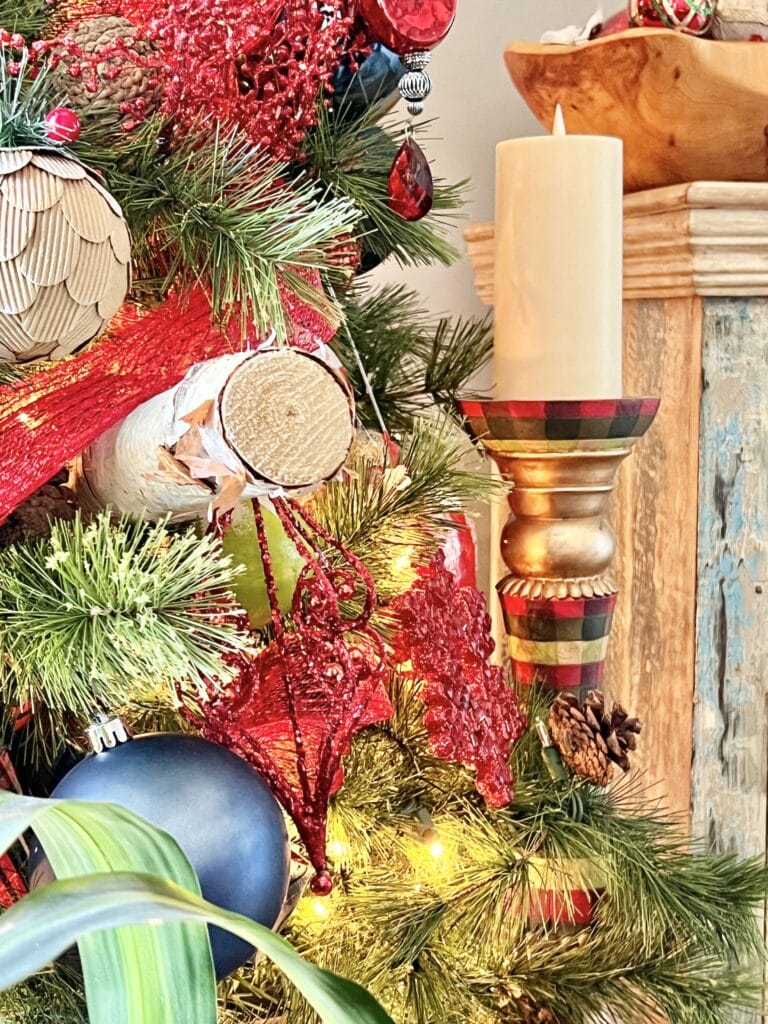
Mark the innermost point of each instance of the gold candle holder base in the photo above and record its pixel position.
(562, 459)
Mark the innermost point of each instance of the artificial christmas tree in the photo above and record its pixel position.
(264, 501)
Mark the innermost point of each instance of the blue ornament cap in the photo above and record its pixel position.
(214, 805)
(376, 80)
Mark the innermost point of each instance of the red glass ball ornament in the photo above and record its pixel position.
(63, 125)
(575, 908)
(411, 189)
(618, 22)
(321, 884)
(692, 16)
(407, 26)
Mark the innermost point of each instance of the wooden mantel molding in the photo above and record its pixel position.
(703, 238)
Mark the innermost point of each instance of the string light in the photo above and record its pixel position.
(436, 848)
(320, 908)
(337, 849)
(403, 562)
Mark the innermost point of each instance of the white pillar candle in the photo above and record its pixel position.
(558, 267)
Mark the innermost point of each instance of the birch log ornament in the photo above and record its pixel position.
(253, 424)
(64, 255)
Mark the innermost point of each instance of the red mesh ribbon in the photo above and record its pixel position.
(293, 710)
(472, 717)
(54, 415)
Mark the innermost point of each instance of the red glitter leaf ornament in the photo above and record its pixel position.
(294, 708)
(472, 717)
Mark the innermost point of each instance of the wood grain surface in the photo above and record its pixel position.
(701, 238)
(686, 108)
(730, 763)
(651, 656)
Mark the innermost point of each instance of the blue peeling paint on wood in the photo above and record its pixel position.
(730, 727)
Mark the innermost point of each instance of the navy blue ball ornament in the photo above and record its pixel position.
(375, 81)
(215, 806)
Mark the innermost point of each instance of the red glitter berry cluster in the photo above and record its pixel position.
(66, 55)
(260, 65)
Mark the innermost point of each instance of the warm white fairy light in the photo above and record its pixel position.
(437, 849)
(337, 849)
(320, 908)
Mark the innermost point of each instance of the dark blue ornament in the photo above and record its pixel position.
(217, 809)
(369, 259)
(375, 81)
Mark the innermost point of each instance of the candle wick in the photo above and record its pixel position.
(558, 125)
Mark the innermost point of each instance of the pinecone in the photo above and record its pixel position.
(33, 517)
(590, 741)
(132, 81)
(532, 1014)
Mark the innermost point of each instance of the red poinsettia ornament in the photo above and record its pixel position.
(472, 717)
(293, 709)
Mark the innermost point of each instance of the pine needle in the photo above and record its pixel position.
(219, 212)
(353, 157)
(101, 614)
(411, 361)
(394, 529)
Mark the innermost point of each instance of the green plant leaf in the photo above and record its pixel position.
(132, 974)
(44, 924)
(134, 971)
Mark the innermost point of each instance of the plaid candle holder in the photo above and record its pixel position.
(562, 458)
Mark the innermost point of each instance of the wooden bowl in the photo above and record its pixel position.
(687, 109)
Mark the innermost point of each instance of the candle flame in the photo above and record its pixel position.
(558, 125)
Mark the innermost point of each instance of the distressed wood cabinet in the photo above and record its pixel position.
(689, 648)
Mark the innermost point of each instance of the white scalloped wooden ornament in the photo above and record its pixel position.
(64, 255)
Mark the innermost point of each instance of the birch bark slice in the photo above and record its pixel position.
(279, 419)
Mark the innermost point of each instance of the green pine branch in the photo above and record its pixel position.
(411, 362)
(218, 212)
(97, 616)
(393, 520)
(675, 933)
(353, 158)
(25, 99)
(30, 18)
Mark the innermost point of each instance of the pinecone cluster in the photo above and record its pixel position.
(33, 517)
(591, 741)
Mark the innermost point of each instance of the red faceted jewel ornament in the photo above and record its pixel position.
(406, 26)
(411, 189)
(62, 125)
